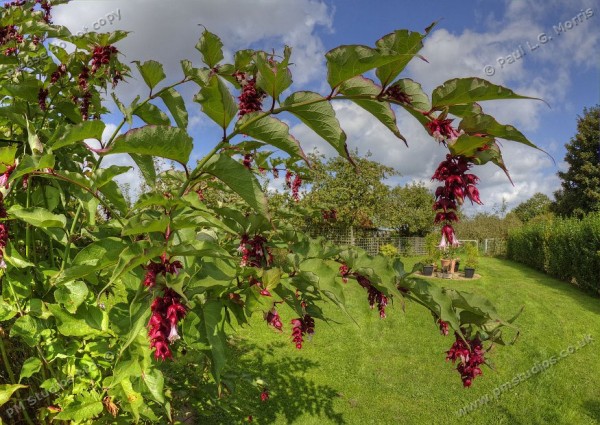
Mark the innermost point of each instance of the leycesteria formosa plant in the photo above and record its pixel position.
(102, 295)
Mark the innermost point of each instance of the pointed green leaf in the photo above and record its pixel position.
(418, 98)
(273, 79)
(80, 324)
(361, 86)
(146, 165)
(212, 312)
(155, 140)
(239, 179)
(152, 72)
(486, 124)
(71, 295)
(28, 328)
(210, 46)
(38, 217)
(467, 145)
(7, 311)
(272, 131)
(83, 409)
(465, 110)
(92, 129)
(468, 90)
(112, 193)
(106, 175)
(345, 62)
(176, 106)
(6, 391)
(34, 141)
(217, 102)
(317, 113)
(151, 114)
(30, 367)
(155, 381)
(402, 43)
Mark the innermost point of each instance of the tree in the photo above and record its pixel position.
(408, 210)
(356, 192)
(538, 204)
(580, 187)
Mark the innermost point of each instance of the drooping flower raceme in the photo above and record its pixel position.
(470, 355)
(167, 311)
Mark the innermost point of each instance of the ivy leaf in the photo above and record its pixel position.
(272, 131)
(176, 106)
(92, 129)
(30, 367)
(468, 90)
(361, 86)
(217, 102)
(239, 179)
(38, 217)
(152, 72)
(211, 48)
(402, 43)
(273, 79)
(6, 391)
(345, 62)
(154, 140)
(317, 113)
(151, 114)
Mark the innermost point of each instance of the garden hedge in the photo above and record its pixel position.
(568, 249)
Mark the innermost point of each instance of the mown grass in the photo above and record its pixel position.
(393, 371)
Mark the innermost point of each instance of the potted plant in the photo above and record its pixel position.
(433, 254)
(472, 261)
(429, 265)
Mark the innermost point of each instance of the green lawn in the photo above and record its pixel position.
(393, 371)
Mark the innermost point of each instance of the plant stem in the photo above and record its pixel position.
(13, 380)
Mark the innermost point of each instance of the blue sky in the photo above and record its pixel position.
(564, 70)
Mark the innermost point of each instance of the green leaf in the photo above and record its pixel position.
(146, 166)
(155, 140)
(95, 256)
(361, 86)
(176, 106)
(146, 223)
(6, 391)
(402, 43)
(155, 381)
(136, 254)
(317, 113)
(151, 114)
(29, 164)
(28, 328)
(210, 46)
(7, 157)
(112, 192)
(38, 217)
(418, 98)
(468, 90)
(217, 102)
(152, 72)
(345, 62)
(467, 145)
(34, 141)
(31, 366)
(272, 131)
(213, 314)
(7, 311)
(239, 179)
(82, 324)
(71, 295)
(273, 78)
(133, 398)
(92, 129)
(84, 408)
(486, 124)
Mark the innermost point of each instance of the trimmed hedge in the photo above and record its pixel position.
(568, 249)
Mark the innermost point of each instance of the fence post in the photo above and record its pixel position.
(352, 242)
(485, 246)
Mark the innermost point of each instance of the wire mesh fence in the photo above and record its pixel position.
(371, 240)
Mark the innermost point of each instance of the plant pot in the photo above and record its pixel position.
(446, 264)
(456, 266)
(428, 270)
(469, 272)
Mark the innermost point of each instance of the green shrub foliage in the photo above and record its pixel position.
(568, 249)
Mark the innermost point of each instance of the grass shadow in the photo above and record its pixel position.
(593, 409)
(291, 395)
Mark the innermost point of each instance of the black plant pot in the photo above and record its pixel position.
(469, 272)
(456, 264)
(428, 270)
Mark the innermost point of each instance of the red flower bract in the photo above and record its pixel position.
(302, 326)
(167, 311)
(470, 355)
